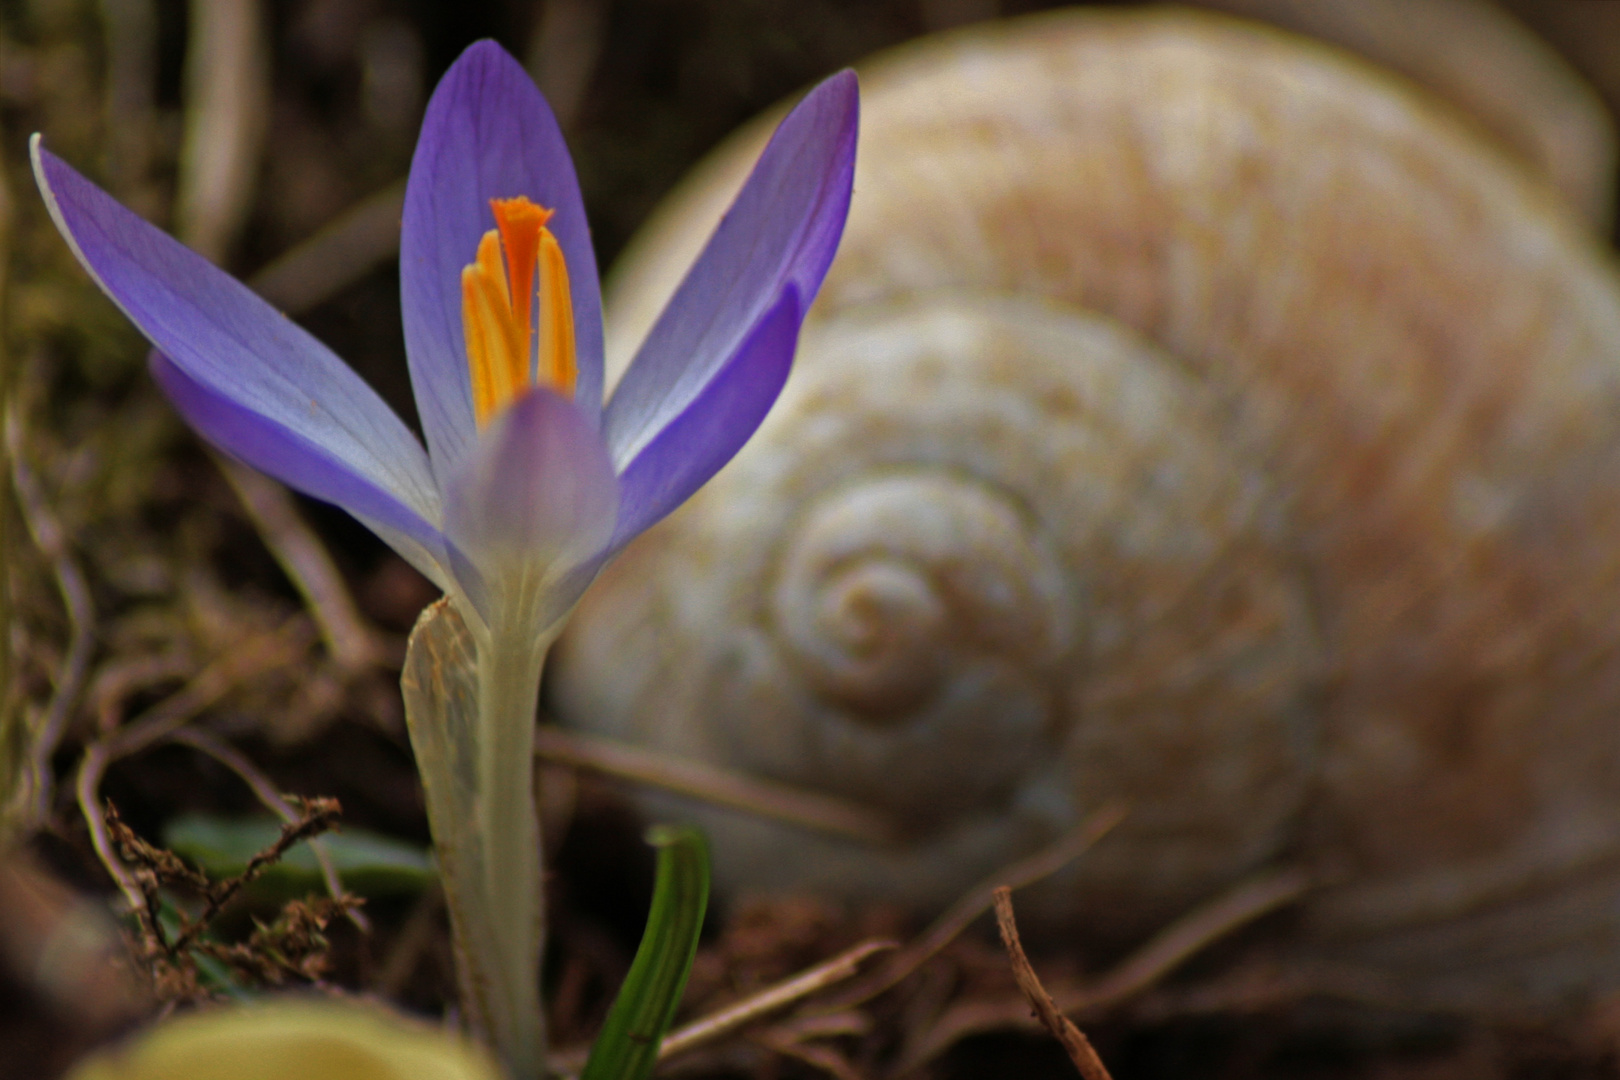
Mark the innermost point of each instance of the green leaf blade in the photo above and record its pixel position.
(369, 864)
(627, 1048)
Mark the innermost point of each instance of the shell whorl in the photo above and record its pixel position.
(901, 603)
(889, 588)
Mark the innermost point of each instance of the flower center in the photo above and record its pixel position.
(497, 300)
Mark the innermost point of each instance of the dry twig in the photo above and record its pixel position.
(117, 679)
(355, 243)
(305, 561)
(51, 541)
(735, 1017)
(818, 1056)
(1191, 934)
(227, 91)
(1163, 953)
(798, 1038)
(1074, 1041)
(316, 816)
(267, 795)
(771, 999)
(807, 809)
(293, 946)
(960, 915)
(563, 51)
(263, 653)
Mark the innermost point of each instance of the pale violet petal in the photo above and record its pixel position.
(693, 446)
(535, 498)
(243, 353)
(782, 230)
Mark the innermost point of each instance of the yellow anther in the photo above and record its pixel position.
(496, 303)
(556, 360)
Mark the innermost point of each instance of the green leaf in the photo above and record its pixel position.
(627, 1048)
(368, 863)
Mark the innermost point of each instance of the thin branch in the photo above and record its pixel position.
(305, 561)
(1172, 946)
(97, 756)
(265, 791)
(1191, 934)
(318, 816)
(291, 946)
(152, 868)
(262, 653)
(960, 915)
(824, 1058)
(49, 538)
(756, 1006)
(771, 999)
(762, 798)
(563, 53)
(227, 104)
(824, 1025)
(355, 243)
(1074, 1041)
(119, 678)
(258, 654)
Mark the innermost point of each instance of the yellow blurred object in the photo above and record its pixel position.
(302, 1039)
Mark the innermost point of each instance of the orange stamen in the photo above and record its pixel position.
(556, 360)
(496, 303)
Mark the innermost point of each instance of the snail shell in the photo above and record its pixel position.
(1193, 418)
(1512, 85)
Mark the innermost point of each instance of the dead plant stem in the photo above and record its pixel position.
(1074, 1041)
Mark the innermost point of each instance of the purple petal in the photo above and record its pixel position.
(238, 349)
(782, 230)
(535, 494)
(708, 433)
(488, 134)
(298, 462)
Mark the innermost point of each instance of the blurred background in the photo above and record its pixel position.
(146, 584)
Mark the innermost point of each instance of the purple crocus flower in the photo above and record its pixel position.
(527, 484)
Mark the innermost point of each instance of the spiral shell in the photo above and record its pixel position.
(1194, 419)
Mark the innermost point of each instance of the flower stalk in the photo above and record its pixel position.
(508, 675)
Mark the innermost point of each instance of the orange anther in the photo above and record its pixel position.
(496, 305)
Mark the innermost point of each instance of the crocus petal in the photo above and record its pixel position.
(713, 427)
(488, 134)
(297, 462)
(238, 349)
(534, 498)
(783, 229)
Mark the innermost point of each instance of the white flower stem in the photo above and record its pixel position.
(469, 703)
(508, 681)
